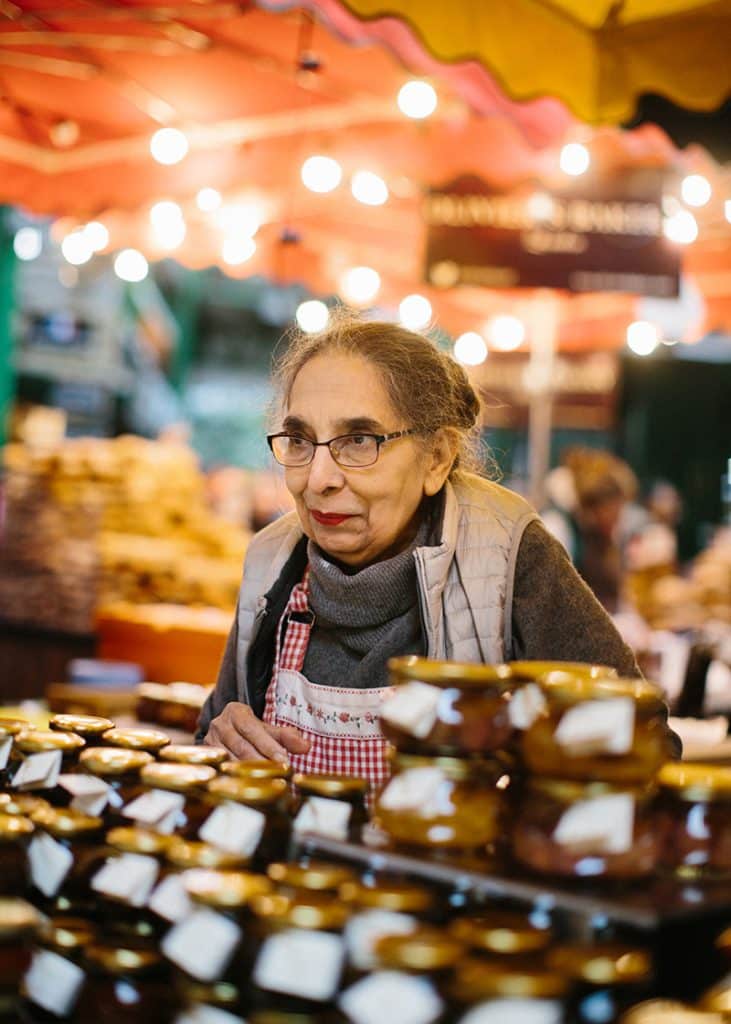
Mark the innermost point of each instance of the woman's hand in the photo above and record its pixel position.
(247, 738)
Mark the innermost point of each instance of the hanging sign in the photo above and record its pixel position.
(601, 235)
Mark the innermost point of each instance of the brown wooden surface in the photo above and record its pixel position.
(32, 658)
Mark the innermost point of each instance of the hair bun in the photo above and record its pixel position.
(466, 402)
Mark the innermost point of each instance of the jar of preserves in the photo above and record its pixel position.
(586, 830)
(126, 982)
(120, 769)
(257, 769)
(64, 854)
(386, 907)
(694, 820)
(503, 935)
(151, 740)
(52, 985)
(15, 835)
(134, 868)
(607, 728)
(606, 979)
(90, 727)
(176, 797)
(329, 805)
(19, 924)
(443, 803)
(502, 991)
(45, 754)
(250, 817)
(447, 708)
(194, 753)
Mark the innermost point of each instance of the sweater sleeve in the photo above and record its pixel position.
(225, 689)
(555, 615)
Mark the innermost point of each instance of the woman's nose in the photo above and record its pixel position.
(324, 470)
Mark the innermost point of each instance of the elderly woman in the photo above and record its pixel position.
(394, 548)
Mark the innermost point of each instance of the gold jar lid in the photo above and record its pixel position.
(482, 979)
(22, 804)
(565, 689)
(183, 778)
(151, 740)
(317, 876)
(38, 741)
(535, 670)
(601, 963)
(696, 781)
(464, 674)
(14, 827)
(191, 853)
(668, 1011)
(224, 888)
(331, 785)
(194, 753)
(63, 821)
(458, 769)
(425, 949)
(12, 726)
(67, 933)
(84, 725)
(256, 792)
(717, 999)
(501, 931)
(401, 897)
(130, 839)
(113, 760)
(570, 790)
(257, 769)
(122, 958)
(210, 993)
(316, 910)
(17, 917)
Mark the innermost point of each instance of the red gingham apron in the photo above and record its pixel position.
(342, 724)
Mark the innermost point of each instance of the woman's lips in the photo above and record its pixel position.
(328, 518)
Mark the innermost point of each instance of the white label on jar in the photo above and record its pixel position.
(38, 771)
(90, 794)
(515, 1011)
(158, 809)
(202, 944)
(5, 747)
(414, 789)
(129, 878)
(49, 862)
(598, 727)
(604, 824)
(234, 828)
(53, 982)
(412, 708)
(323, 817)
(526, 705)
(202, 1014)
(301, 963)
(170, 900)
(391, 996)
(365, 929)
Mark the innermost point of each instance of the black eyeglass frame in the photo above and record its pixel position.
(378, 438)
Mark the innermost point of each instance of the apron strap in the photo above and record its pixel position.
(295, 625)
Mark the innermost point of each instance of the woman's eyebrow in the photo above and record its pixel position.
(295, 425)
(354, 425)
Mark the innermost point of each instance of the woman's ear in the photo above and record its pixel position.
(440, 460)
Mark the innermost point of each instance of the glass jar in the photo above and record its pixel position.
(194, 753)
(329, 805)
(442, 804)
(610, 729)
(123, 910)
(151, 740)
(499, 991)
(120, 769)
(257, 769)
(19, 924)
(503, 935)
(586, 830)
(251, 818)
(15, 834)
(56, 875)
(32, 742)
(447, 707)
(189, 782)
(126, 982)
(52, 986)
(694, 820)
(90, 727)
(606, 979)
(386, 907)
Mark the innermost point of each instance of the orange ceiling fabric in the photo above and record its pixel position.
(597, 56)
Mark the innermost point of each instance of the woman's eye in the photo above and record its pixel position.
(297, 442)
(357, 440)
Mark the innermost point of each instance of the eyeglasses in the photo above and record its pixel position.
(352, 451)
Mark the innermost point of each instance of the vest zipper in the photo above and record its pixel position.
(424, 613)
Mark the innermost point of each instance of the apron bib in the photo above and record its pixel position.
(342, 724)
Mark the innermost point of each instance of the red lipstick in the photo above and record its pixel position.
(328, 518)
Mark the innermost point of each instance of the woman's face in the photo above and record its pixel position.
(362, 515)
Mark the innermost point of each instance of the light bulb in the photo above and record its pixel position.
(76, 249)
(574, 159)
(417, 99)
(96, 235)
(695, 190)
(28, 243)
(470, 349)
(208, 200)
(360, 285)
(130, 265)
(369, 188)
(415, 312)
(681, 227)
(505, 332)
(238, 250)
(168, 146)
(642, 337)
(312, 316)
(321, 174)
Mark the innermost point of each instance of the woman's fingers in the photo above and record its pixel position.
(290, 738)
(245, 736)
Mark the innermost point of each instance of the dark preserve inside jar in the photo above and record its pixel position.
(694, 820)
(606, 979)
(120, 769)
(268, 797)
(126, 982)
(15, 834)
(19, 923)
